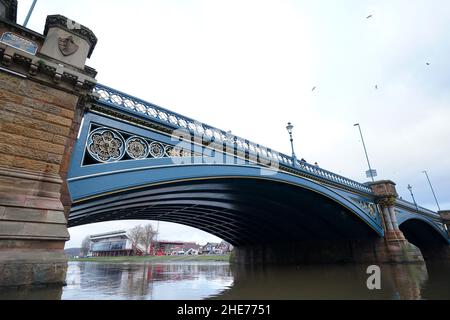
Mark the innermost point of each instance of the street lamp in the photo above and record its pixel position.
(289, 128)
(29, 13)
(412, 195)
(371, 173)
(434, 195)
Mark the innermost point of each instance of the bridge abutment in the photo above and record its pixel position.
(42, 93)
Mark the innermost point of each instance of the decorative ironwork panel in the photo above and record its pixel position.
(106, 145)
(137, 148)
(368, 207)
(157, 150)
(262, 154)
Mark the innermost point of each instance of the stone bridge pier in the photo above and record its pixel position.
(399, 249)
(43, 85)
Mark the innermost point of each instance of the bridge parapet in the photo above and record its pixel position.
(212, 137)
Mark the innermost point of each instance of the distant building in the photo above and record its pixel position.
(216, 248)
(225, 247)
(165, 247)
(210, 248)
(191, 248)
(115, 243)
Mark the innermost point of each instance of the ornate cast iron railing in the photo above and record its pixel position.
(174, 120)
(412, 208)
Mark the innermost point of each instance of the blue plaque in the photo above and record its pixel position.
(17, 42)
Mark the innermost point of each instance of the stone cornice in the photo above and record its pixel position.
(42, 68)
(30, 175)
(381, 182)
(69, 25)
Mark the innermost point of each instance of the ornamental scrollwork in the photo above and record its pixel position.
(387, 201)
(172, 152)
(369, 207)
(106, 145)
(156, 150)
(137, 148)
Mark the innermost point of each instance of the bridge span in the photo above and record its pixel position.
(168, 167)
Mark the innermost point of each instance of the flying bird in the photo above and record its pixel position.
(369, 16)
(313, 88)
(376, 86)
(428, 63)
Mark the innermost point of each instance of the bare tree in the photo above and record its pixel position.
(148, 234)
(85, 246)
(136, 235)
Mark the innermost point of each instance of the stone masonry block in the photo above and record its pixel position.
(35, 165)
(8, 127)
(33, 215)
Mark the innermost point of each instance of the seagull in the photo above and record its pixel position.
(376, 86)
(313, 88)
(428, 63)
(369, 16)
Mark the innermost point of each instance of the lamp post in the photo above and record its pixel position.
(372, 173)
(412, 195)
(289, 128)
(29, 13)
(156, 246)
(431, 187)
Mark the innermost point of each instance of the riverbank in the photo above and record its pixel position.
(181, 258)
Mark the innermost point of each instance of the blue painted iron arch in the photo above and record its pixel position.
(421, 231)
(234, 202)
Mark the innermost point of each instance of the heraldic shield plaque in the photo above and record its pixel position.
(67, 45)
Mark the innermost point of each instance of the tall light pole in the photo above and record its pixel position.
(156, 246)
(29, 13)
(289, 128)
(412, 195)
(434, 195)
(371, 172)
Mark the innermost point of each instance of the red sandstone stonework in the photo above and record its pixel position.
(40, 114)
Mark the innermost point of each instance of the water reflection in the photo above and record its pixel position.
(146, 281)
(326, 282)
(209, 280)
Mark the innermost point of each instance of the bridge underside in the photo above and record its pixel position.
(430, 242)
(240, 211)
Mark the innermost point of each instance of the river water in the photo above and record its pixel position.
(219, 280)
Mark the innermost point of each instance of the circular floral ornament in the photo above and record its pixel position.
(156, 150)
(106, 145)
(137, 148)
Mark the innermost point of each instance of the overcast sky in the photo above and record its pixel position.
(250, 66)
